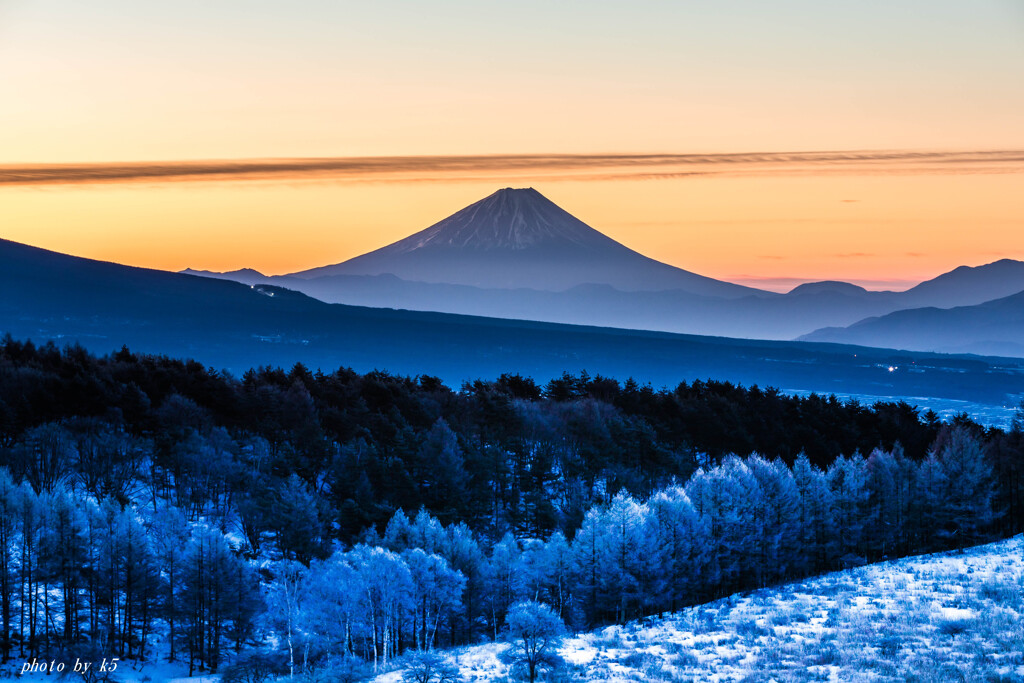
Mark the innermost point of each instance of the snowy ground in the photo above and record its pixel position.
(945, 617)
(126, 672)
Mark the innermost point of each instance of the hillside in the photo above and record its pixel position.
(227, 325)
(966, 285)
(992, 327)
(780, 317)
(943, 617)
(297, 511)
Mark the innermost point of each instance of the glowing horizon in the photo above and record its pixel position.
(341, 211)
(704, 135)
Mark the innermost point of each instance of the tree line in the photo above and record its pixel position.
(343, 451)
(81, 578)
(742, 524)
(139, 493)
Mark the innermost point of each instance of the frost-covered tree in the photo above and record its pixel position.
(533, 569)
(729, 501)
(587, 558)
(534, 631)
(219, 598)
(297, 521)
(437, 589)
(141, 585)
(929, 497)
(63, 554)
(890, 481)
(548, 569)
(504, 580)
(109, 460)
(388, 593)
(847, 480)
(169, 532)
(430, 667)
(398, 532)
(678, 543)
(442, 471)
(463, 554)
(283, 602)
(778, 517)
(31, 514)
(815, 516)
(10, 496)
(609, 557)
(627, 562)
(424, 532)
(332, 606)
(44, 456)
(968, 486)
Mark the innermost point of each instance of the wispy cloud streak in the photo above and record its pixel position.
(577, 167)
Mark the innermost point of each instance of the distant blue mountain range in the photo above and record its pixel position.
(517, 255)
(102, 306)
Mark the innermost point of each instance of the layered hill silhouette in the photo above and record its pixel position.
(966, 286)
(246, 276)
(994, 327)
(517, 255)
(224, 324)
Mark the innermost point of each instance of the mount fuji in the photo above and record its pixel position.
(518, 238)
(517, 255)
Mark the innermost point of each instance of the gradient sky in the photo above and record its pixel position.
(127, 81)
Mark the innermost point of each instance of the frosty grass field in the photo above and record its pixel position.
(942, 617)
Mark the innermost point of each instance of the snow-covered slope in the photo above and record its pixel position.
(508, 220)
(943, 617)
(519, 238)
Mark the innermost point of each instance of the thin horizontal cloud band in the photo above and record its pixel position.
(553, 166)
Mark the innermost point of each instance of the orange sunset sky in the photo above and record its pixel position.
(768, 143)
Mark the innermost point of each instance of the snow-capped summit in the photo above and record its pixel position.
(510, 219)
(518, 238)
